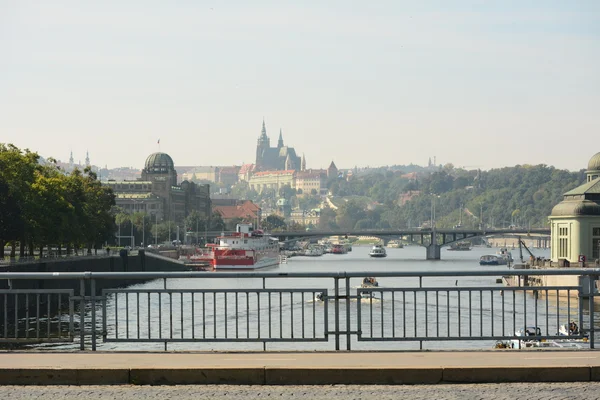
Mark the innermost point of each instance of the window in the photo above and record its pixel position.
(563, 242)
(596, 243)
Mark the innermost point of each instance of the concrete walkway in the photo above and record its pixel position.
(87, 368)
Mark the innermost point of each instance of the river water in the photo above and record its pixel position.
(415, 313)
(220, 315)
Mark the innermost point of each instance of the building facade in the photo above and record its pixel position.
(158, 194)
(575, 221)
(275, 180)
(311, 182)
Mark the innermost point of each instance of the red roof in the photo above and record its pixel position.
(246, 168)
(247, 209)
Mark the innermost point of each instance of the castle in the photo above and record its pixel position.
(278, 158)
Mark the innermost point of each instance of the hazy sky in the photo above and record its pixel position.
(478, 83)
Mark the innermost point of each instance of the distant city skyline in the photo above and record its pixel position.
(480, 84)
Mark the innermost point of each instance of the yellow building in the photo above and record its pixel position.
(262, 180)
(311, 182)
(575, 221)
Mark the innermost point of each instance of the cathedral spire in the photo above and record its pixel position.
(71, 162)
(303, 164)
(263, 131)
(280, 141)
(87, 158)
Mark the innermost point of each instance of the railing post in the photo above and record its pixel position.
(348, 345)
(93, 290)
(337, 312)
(82, 314)
(592, 289)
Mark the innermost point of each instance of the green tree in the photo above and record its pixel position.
(274, 223)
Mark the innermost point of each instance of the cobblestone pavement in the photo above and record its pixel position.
(508, 391)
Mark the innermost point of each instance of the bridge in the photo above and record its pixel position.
(432, 239)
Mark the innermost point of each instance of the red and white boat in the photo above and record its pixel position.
(244, 249)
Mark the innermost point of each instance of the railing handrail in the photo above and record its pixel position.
(253, 274)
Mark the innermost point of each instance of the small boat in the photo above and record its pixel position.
(505, 255)
(369, 282)
(491, 259)
(339, 249)
(313, 251)
(568, 330)
(460, 246)
(395, 244)
(378, 251)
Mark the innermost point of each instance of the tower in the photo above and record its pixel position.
(71, 162)
(303, 164)
(87, 158)
(262, 144)
(280, 141)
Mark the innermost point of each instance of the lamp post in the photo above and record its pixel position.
(144, 227)
(156, 228)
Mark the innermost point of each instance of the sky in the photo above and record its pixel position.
(476, 83)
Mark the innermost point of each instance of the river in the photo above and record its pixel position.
(215, 320)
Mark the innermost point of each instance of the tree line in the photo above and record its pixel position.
(41, 206)
(389, 198)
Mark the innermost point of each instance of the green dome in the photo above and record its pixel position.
(568, 208)
(159, 162)
(594, 164)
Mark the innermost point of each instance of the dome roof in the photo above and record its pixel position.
(594, 164)
(159, 162)
(575, 208)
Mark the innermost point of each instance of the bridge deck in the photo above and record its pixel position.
(299, 368)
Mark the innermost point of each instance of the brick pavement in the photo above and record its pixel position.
(512, 391)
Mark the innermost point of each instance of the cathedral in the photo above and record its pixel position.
(278, 158)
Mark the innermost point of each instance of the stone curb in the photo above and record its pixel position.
(294, 376)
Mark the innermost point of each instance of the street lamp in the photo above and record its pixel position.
(434, 196)
(156, 228)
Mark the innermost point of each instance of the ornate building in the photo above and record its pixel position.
(158, 194)
(275, 158)
(575, 221)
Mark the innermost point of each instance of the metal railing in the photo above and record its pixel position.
(7, 260)
(270, 307)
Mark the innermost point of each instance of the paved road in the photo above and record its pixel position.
(512, 391)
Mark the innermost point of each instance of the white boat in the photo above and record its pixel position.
(313, 251)
(395, 244)
(245, 249)
(378, 251)
(505, 255)
(571, 332)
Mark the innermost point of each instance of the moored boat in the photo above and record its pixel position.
(245, 249)
(491, 259)
(460, 246)
(395, 244)
(339, 249)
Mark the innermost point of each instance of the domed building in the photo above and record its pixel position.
(158, 194)
(575, 221)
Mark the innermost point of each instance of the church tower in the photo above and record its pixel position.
(87, 158)
(263, 144)
(71, 161)
(303, 164)
(280, 141)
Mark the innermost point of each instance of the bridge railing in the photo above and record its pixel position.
(329, 311)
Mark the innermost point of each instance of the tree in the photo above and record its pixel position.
(274, 223)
